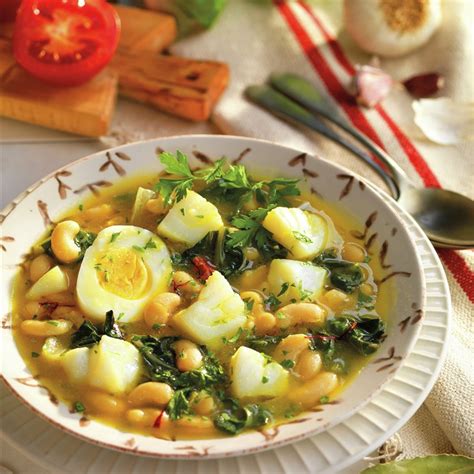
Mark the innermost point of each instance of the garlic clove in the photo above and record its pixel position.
(444, 121)
(391, 27)
(371, 85)
(424, 85)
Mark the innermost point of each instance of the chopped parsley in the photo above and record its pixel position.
(323, 400)
(265, 379)
(249, 302)
(79, 407)
(302, 237)
(150, 244)
(114, 236)
(287, 363)
(35, 354)
(272, 302)
(284, 288)
(234, 338)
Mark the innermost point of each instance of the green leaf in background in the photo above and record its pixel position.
(439, 464)
(191, 15)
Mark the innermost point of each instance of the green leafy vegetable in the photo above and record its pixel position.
(225, 183)
(287, 364)
(284, 288)
(178, 406)
(86, 335)
(78, 407)
(236, 418)
(251, 233)
(302, 237)
(441, 463)
(114, 236)
(214, 172)
(150, 245)
(262, 343)
(176, 164)
(111, 328)
(160, 361)
(272, 302)
(193, 15)
(234, 338)
(363, 333)
(346, 276)
(229, 261)
(84, 240)
(89, 334)
(159, 358)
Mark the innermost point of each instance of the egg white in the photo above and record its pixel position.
(95, 299)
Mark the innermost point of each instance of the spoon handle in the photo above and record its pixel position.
(305, 93)
(284, 107)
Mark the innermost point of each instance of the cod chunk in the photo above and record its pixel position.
(253, 375)
(296, 281)
(217, 313)
(189, 220)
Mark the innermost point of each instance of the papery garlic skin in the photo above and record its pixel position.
(444, 121)
(371, 85)
(391, 27)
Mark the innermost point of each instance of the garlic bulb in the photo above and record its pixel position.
(391, 27)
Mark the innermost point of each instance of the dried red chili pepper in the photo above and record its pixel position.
(424, 85)
(157, 422)
(203, 267)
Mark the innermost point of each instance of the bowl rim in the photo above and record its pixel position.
(9, 208)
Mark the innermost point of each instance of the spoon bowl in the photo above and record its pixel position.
(445, 216)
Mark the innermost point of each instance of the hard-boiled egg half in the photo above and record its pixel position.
(121, 271)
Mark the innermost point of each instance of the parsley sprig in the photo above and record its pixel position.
(223, 182)
(251, 233)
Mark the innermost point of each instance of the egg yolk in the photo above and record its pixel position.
(121, 271)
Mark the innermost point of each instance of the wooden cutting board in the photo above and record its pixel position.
(183, 87)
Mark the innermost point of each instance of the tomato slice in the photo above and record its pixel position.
(8, 9)
(65, 42)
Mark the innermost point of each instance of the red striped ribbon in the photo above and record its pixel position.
(453, 260)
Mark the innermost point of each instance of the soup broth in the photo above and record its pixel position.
(204, 336)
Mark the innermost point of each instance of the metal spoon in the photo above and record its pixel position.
(446, 217)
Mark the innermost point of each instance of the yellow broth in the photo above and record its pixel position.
(118, 201)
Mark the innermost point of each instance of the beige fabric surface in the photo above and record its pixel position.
(254, 38)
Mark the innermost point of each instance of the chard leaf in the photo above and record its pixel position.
(178, 406)
(160, 362)
(344, 275)
(89, 334)
(262, 343)
(84, 240)
(235, 419)
(111, 328)
(86, 335)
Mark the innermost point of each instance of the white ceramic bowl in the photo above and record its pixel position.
(25, 219)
